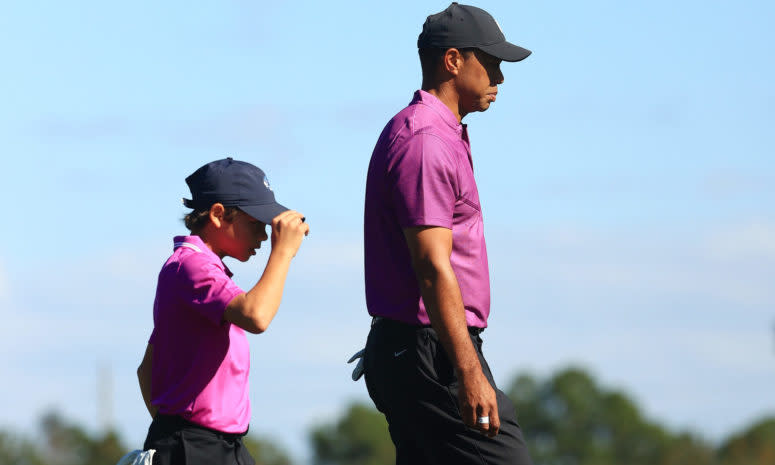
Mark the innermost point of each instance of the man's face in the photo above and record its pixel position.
(477, 82)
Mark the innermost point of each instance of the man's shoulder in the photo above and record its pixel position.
(418, 118)
(415, 125)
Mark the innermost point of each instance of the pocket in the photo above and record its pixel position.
(434, 360)
(169, 449)
(244, 455)
(204, 448)
(444, 369)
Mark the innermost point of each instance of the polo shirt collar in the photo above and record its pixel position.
(438, 106)
(196, 244)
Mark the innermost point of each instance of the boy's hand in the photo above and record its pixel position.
(288, 230)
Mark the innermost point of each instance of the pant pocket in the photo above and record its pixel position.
(204, 448)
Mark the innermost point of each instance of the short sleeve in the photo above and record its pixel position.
(423, 182)
(206, 287)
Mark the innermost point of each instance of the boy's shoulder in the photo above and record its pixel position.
(190, 266)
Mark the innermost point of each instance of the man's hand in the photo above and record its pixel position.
(288, 230)
(476, 399)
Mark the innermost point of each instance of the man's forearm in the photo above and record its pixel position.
(431, 248)
(444, 304)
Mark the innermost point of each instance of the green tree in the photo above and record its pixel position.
(754, 446)
(569, 419)
(685, 449)
(18, 451)
(266, 452)
(359, 437)
(68, 444)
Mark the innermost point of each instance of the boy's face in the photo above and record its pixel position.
(242, 236)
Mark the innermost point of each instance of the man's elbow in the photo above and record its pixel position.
(427, 268)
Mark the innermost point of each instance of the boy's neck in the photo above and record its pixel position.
(207, 238)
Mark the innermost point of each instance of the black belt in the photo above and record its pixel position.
(473, 330)
(177, 422)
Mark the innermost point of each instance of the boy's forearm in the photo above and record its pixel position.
(145, 389)
(265, 297)
(144, 379)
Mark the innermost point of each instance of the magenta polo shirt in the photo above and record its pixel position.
(421, 174)
(200, 362)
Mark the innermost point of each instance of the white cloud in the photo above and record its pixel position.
(734, 263)
(731, 182)
(5, 291)
(750, 241)
(658, 313)
(682, 319)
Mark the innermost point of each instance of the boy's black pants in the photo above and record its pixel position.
(411, 380)
(181, 442)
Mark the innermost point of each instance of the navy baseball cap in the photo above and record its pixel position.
(233, 183)
(465, 26)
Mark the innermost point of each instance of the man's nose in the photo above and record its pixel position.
(497, 76)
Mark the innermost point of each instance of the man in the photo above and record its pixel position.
(427, 279)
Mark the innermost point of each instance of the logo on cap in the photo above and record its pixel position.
(266, 183)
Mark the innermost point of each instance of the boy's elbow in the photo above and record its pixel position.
(258, 325)
(141, 372)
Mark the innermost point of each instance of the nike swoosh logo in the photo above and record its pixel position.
(396, 354)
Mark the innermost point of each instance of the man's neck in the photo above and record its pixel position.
(445, 91)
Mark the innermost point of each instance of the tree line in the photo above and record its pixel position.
(568, 418)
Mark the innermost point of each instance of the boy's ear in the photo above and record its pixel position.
(217, 212)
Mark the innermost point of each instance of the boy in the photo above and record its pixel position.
(194, 375)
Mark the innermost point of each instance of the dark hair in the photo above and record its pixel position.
(198, 219)
(430, 57)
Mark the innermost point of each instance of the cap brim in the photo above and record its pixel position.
(264, 213)
(506, 51)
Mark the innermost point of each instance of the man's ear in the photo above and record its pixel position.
(217, 212)
(453, 60)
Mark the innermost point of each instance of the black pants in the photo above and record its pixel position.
(411, 380)
(180, 442)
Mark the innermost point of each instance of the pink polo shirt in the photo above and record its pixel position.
(200, 362)
(421, 174)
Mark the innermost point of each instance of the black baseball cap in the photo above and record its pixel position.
(465, 26)
(233, 183)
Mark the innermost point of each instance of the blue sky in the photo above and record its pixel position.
(626, 175)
